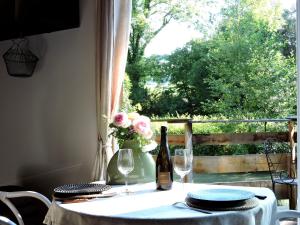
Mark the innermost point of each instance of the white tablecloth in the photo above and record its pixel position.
(147, 206)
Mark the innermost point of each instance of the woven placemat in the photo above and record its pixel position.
(85, 189)
(242, 205)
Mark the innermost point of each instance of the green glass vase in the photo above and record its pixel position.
(144, 166)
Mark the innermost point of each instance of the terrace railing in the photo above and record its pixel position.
(189, 138)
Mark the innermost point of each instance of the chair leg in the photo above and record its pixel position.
(273, 188)
(292, 197)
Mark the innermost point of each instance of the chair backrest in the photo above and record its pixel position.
(277, 158)
(6, 221)
(8, 198)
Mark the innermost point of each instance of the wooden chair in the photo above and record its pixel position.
(276, 159)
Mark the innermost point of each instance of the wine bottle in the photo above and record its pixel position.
(164, 166)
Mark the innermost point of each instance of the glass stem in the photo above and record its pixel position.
(182, 181)
(126, 183)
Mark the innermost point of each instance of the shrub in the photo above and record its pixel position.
(225, 127)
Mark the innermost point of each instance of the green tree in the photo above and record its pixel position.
(288, 33)
(176, 82)
(149, 17)
(186, 70)
(126, 104)
(239, 71)
(248, 73)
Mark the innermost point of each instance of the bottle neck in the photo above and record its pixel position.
(164, 146)
(164, 138)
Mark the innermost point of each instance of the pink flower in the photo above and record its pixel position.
(121, 120)
(141, 125)
(149, 134)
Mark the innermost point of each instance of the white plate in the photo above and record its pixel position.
(221, 195)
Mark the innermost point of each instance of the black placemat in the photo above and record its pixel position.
(79, 189)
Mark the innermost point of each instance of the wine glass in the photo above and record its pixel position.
(125, 164)
(183, 162)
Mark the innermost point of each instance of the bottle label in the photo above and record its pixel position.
(164, 178)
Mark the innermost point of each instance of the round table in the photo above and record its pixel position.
(145, 205)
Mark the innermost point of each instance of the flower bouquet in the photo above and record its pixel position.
(133, 131)
(133, 127)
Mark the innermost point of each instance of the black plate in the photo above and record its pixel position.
(80, 189)
(222, 206)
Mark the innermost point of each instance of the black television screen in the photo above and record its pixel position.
(29, 17)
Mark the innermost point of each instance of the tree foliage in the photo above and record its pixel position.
(246, 68)
(182, 89)
(288, 34)
(149, 18)
(248, 73)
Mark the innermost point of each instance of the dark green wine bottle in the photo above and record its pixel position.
(164, 166)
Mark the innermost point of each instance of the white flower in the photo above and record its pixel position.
(149, 147)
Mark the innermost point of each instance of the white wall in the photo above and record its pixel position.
(48, 121)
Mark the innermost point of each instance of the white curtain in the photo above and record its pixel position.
(112, 38)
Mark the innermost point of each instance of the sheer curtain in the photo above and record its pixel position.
(112, 36)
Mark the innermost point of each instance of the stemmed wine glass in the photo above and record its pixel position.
(125, 164)
(183, 162)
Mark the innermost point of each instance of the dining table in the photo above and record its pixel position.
(144, 205)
